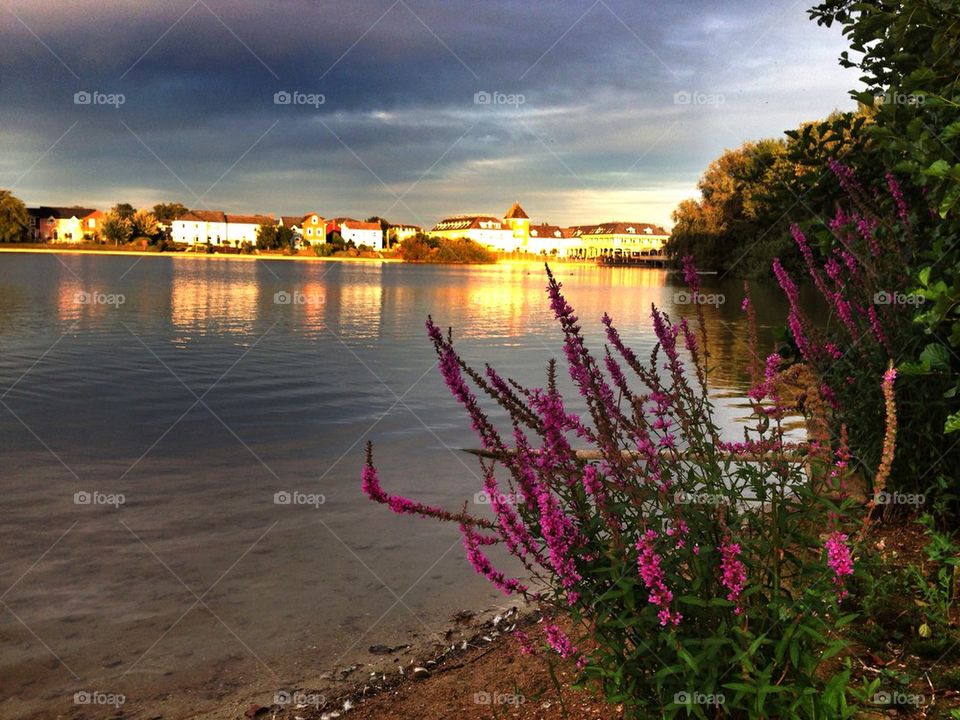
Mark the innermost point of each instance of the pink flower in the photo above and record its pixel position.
(733, 573)
(651, 572)
(839, 560)
(558, 640)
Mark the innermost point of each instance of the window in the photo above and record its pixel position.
(309, 232)
(314, 219)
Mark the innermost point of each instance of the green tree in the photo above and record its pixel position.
(738, 225)
(168, 212)
(144, 224)
(124, 210)
(115, 228)
(14, 219)
(274, 237)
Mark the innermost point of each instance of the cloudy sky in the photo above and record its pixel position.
(584, 110)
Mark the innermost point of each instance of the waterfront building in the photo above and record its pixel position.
(314, 228)
(519, 222)
(64, 224)
(362, 233)
(612, 239)
(199, 227)
(486, 230)
(546, 239)
(397, 234)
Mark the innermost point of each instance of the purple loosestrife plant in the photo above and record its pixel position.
(682, 561)
(870, 314)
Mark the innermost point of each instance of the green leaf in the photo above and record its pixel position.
(941, 168)
(952, 424)
(935, 357)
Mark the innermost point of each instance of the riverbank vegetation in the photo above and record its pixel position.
(431, 249)
(682, 573)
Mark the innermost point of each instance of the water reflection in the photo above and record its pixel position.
(213, 297)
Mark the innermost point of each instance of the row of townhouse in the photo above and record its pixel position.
(200, 227)
(515, 233)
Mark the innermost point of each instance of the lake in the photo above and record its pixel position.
(153, 407)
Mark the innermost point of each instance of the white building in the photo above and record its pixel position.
(362, 233)
(199, 227)
(486, 230)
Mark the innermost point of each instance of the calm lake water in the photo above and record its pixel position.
(198, 399)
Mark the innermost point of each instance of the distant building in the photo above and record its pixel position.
(64, 224)
(314, 228)
(362, 233)
(544, 239)
(486, 230)
(199, 227)
(519, 222)
(618, 238)
(397, 234)
(293, 222)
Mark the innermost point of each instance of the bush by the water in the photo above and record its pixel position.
(424, 249)
(703, 577)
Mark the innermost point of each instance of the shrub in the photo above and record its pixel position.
(442, 250)
(860, 263)
(703, 577)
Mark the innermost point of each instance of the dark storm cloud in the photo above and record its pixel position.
(603, 120)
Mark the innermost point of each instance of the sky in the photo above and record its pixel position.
(583, 110)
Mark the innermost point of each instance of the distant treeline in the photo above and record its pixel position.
(749, 196)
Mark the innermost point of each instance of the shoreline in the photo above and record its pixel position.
(214, 256)
(66, 250)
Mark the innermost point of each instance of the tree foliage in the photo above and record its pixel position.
(274, 237)
(14, 219)
(168, 212)
(116, 228)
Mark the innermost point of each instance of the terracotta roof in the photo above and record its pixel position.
(543, 230)
(203, 216)
(292, 220)
(61, 213)
(251, 219)
(516, 211)
(468, 222)
(621, 228)
(357, 225)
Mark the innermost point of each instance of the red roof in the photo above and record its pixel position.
(515, 211)
(357, 225)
